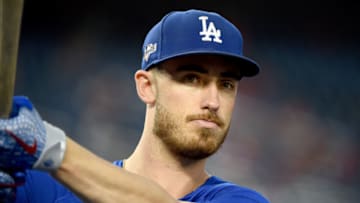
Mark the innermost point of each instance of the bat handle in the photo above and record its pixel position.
(10, 20)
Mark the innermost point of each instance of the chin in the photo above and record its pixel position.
(200, 149)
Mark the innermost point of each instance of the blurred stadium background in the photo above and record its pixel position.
(295, 134)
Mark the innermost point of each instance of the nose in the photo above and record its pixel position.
(210, 99)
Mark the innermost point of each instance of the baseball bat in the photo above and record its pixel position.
(10, 21)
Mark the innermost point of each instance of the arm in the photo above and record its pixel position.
(97, 180)
(28, 142)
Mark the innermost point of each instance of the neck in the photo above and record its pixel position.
(179, 176)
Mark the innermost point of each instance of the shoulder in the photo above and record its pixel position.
(33, 189)
(216, 190)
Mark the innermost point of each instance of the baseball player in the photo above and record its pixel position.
(191, 66)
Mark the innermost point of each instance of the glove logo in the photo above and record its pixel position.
(31, 149)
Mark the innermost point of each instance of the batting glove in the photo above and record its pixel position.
(8, 184)
(26, 141)
(7, 188)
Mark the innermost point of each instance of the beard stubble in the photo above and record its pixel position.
(201, 144)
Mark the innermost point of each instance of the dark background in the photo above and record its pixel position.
(296, 131)
(329, 20)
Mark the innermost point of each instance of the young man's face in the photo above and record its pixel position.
(194, 104)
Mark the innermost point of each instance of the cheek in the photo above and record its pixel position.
(176, 104)
(177, 98)
(227, 107)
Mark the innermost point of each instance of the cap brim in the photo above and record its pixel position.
(247, 66)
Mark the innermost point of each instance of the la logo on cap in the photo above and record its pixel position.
(209, 30)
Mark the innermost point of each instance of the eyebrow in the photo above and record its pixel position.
(232, 75)
(196, 68)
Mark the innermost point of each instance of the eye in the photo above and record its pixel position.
(191, 79)
(228, 84)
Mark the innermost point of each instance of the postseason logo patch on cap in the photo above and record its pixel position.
(149, 49)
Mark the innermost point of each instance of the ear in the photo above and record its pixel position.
(145, 86)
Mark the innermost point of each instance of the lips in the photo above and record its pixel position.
(206, 123)
(210, 120)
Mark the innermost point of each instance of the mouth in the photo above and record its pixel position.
(206, 120)
(206, 123)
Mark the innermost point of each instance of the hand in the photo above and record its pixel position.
(26, 141)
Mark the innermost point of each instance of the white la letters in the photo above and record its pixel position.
(209, 30)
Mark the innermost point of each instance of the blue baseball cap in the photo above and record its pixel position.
(192, 32)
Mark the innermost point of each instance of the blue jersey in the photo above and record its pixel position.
(40, 187)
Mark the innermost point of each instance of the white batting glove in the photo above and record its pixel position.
(26, 141)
